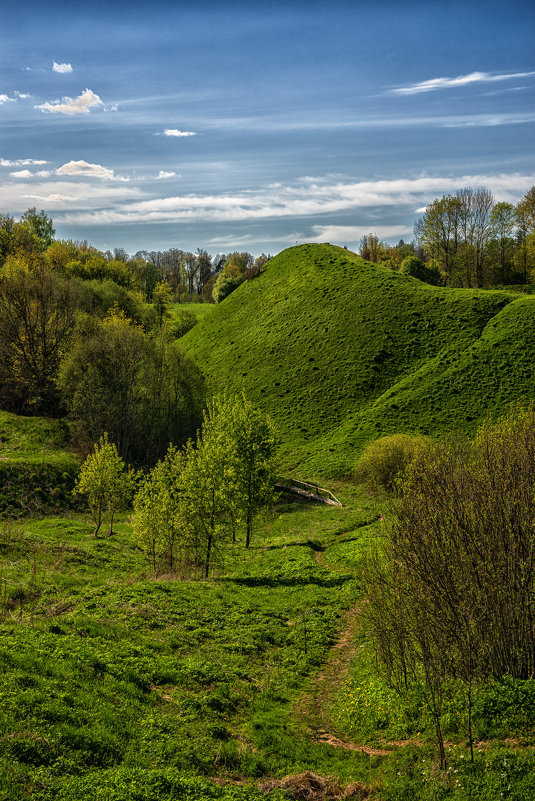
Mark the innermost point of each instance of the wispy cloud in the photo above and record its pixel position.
(28, 174)
(61, 67)
(88, 170)
(54, 197)
(433, 84)
(6, 99)
(310, 197)
(79, 105)
(176, 132)
(353, 233)
(165, 174)
(17, 194)
(21, 162)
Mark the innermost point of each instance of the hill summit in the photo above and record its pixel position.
(340, 351)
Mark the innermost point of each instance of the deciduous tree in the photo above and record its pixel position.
(105, 482)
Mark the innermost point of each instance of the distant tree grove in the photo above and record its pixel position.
(465, 240)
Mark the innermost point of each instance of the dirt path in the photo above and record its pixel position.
(312, 706)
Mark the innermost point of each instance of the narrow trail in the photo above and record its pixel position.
(312, 707)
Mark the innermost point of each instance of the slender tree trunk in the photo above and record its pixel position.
(249, 514)
(99, 518)
(208, 553)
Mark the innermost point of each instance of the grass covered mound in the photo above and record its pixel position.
(339, 351)
(35, 470)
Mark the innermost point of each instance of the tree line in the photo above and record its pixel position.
(466, 240)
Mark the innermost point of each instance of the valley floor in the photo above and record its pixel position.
(115, 685)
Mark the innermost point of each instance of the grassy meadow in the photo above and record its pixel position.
(116, 685)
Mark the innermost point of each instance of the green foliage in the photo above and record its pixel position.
(36, 319)
(141, 389)
(505, 706)
(105, 482)
(161, 298)
(193, 501)
(383, 461)
(207, 493)
(451, 592)
(40, 226)
(226, 283)
(183, 321)
(156, 520)
(415, 267)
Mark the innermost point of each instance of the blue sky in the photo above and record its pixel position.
(233, 125)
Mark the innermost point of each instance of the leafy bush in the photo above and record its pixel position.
(384, 459)
(504, 706)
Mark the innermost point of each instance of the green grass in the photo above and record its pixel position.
(107, 674)
(340, 351)
(115, 685)
(200, 310)
(31, 438)
(36, 472)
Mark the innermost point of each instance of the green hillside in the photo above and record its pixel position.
(339, 350)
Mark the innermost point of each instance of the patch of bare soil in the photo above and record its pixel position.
(309, 786)
(330, 739)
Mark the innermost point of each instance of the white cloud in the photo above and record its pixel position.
(176, 132)
(21, 96)
(87, 169)
(353, 233)
(165, 174)
(433, 84)
(7, 99)
(310, 197)
(61, 67)
(21, 174)
(21, 162)
(55, 197)
(67, 195)
(28, 174)
(79, 105)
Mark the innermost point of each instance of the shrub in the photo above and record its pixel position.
(383, 460)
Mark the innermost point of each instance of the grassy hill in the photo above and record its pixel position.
(339, 351)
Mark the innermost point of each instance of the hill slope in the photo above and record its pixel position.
(339, 350)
